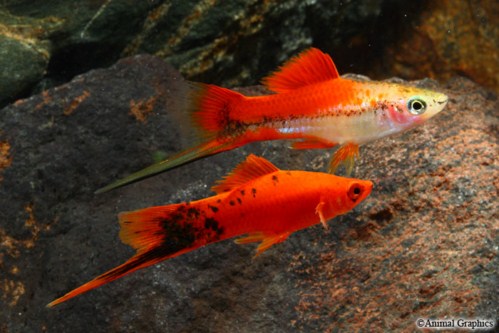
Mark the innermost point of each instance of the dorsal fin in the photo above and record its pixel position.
(253, 167)
(310, 66)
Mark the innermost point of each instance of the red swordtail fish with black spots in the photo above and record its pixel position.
(311, 104)
(256, 200)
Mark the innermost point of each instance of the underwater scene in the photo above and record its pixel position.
(249, 166)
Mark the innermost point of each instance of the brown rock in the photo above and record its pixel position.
(449, 38)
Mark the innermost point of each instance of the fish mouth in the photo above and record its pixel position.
(368, 186)
(444, 101)
(439, 103)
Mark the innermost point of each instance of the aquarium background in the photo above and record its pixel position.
(85, 90)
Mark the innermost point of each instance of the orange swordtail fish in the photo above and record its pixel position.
(311, 104)
(256, 199)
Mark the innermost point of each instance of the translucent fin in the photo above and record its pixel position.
(346, 155)
(142, 229)
(309, 67)
(319, 211)
(253, 167)
(211, 107)
(269, 241)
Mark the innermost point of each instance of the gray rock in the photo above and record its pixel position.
(24, 54)
(54, 41)
(424, 244)
(224, 42)
(22, 66)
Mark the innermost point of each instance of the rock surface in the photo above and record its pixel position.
(449, 38)
(24, 55)
(424, 244)
(46, 43)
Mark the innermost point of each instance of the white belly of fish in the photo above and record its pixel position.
(340, 129)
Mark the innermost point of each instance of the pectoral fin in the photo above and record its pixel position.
(346, 155)
(267, 240)
(319, 211)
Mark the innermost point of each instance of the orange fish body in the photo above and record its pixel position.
(256, 199)
(311, 104)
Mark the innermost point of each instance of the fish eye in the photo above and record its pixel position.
(416, 105)
(354, 191)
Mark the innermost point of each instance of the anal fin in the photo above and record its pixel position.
(311, 144)
(267, 240)
(345, 155)
(251, 238)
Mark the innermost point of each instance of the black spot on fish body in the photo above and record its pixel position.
(182, 229)
(253, 192)
(213, 208)
(233, 129)
(193, 213)
(207, 223)
(242, 192)
(232, 203)
(219, 200)
(178, 234)
(239, 201)
(275, 180)
(212, 225)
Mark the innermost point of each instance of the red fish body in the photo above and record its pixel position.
(311, 104)
(256, 199)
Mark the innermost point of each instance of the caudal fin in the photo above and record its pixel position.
(211, 108)
(202, 114)
(149, 232)
(186, 156)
